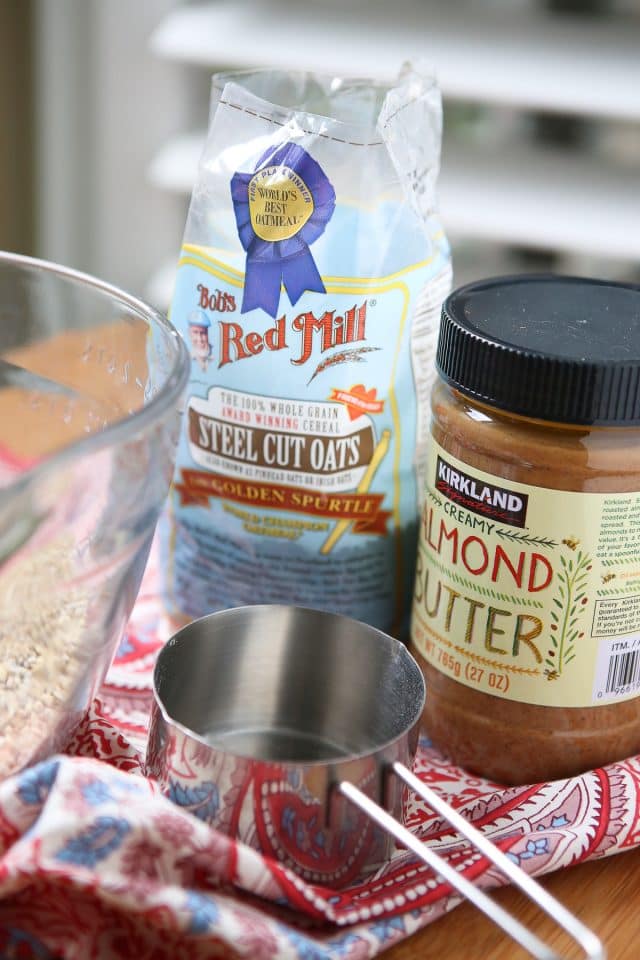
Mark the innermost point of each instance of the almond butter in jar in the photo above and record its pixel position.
(526, 611)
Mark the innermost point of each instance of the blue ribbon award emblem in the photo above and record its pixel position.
(280, 209)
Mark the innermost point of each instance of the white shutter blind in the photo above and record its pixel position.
(542, 112)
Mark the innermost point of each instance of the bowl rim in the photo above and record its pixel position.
(132, 423)
(215, 624)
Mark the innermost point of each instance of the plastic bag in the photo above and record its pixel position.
(309, 289)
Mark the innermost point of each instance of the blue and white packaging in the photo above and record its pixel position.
(309, 289)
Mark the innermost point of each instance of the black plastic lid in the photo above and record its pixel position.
(564, 349)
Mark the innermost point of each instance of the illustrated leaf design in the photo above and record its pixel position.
(202, 801)
(353, 355)
(488, 662)
(525, 538)
(614, 591)
(572, 583)
(95, 843)
(434, 496)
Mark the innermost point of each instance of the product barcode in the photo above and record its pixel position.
(623, 672)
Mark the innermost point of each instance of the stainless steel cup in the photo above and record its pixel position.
(294, 731)
(270, 706)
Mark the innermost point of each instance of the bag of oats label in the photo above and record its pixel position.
(308, 291)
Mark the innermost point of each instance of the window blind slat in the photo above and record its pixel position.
(564, 201)
(512, 54)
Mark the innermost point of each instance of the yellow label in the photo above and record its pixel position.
(280, 203)
(528, 593)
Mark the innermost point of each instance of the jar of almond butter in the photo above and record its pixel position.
(526, 610)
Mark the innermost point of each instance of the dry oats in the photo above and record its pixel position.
(43, 652)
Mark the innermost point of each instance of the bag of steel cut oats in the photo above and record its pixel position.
(308, 291)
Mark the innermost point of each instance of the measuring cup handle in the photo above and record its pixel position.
(584, 937)
(513, 927)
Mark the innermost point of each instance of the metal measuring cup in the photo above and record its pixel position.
(294, 730)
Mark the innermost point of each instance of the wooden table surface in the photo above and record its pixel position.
(605, 894)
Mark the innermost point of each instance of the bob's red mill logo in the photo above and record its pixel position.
(301, 335)
(481, 497)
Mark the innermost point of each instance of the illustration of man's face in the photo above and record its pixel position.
(199, 337)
